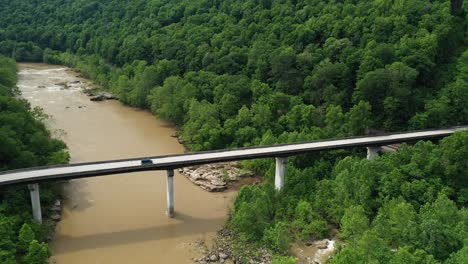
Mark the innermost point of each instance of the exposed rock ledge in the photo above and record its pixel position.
(215, 177)
(56, 210)
(102, 96)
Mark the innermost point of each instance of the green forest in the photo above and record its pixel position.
(257, 72)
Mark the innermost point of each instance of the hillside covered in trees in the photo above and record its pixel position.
(242, 73)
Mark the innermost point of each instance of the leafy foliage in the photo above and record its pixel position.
(163, 55)
(38, 253)
(242, 73)
(283, 260)
(407, 206)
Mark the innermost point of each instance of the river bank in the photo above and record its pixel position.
(228, 248)
(118, 219)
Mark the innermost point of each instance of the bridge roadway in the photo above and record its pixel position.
(32, 176)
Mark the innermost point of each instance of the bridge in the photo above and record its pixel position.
(33, 176)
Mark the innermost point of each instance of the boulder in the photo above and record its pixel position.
(213, 258)
(180, 140)
(212, 188)
(55, 217)
(108, 96)
(223, 255)
(97, 98)
(214, 177)
(102, 96)
(322, 244)
(57, 209)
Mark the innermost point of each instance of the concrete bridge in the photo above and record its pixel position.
(33, 176)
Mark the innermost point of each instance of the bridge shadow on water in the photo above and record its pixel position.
(184, 225)
(77, 197)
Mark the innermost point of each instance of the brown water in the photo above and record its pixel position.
(120, 218)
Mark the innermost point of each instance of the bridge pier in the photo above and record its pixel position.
(373, 152)
(279, 173)
(170, 193)
(35, 201)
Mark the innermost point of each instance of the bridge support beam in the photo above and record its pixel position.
(170, 193)
(35, 201)
(279, 173)
(373, 152)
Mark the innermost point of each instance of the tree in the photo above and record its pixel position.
(170, 100)
(329, 83)
(368, 248)
(459, 257)
(202, 129)
(439, 233)
(7, 257)
(308, 224)
(358, 119)
(354, 222)
(389, 93)
(404, 256)
(7, 245)
(38, 253)
(300, 117)
(453, 155)
(355, 182)
(26, 235)
(277, 238)
(252, 213)
(394, 221)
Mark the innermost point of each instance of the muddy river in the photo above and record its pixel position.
(120, 218)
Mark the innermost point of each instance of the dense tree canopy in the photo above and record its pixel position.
(404, 207)
(399, 56)
(241, 73)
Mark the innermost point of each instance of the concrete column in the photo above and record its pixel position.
(170, 193)
(35, 201)
(279, 173)
(373, 152)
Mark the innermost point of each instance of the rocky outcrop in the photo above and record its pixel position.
(215, 177)
(102, 96)
(222, 252)
(56, 217)
(56, 210)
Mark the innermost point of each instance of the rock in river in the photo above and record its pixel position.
(102, 97)
(55, 217)
(215, 177)
(223, 255)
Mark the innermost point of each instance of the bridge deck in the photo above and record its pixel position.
(82, 170)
